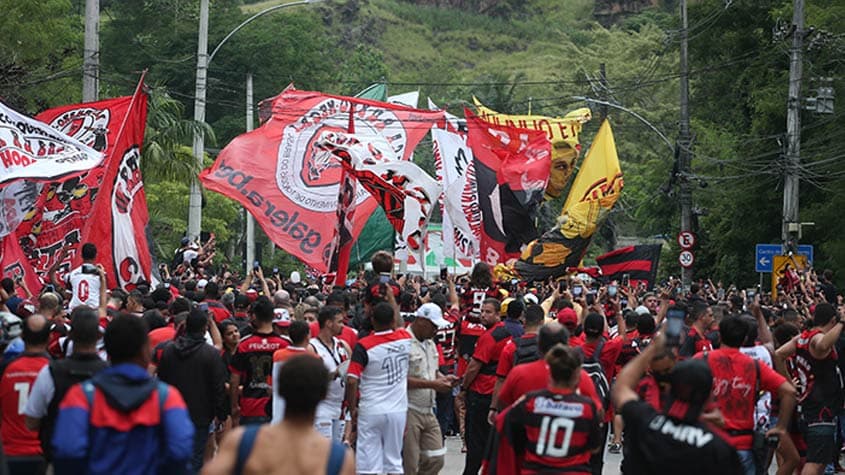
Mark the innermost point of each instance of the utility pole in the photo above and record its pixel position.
(203, 59)
(791, 225)
(195, 206)
(684, 157)
(91, 52)
(250, 221)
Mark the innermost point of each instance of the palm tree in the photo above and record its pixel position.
(166, 153)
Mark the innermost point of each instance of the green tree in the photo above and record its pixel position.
(40, 54)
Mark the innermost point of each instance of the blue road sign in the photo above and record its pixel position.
(765, 256)
(807, 250)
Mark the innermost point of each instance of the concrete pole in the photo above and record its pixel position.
(195, 206)
(793, 126)
(91, 52)
(685, 156)
(250, 221)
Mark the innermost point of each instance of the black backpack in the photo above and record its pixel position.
(593, 367)
(66, 372)
(527, 350)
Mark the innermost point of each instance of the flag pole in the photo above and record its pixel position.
(344, 249)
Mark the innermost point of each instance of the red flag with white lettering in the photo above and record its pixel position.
(120, 210)
(289, 185)
(56, 212)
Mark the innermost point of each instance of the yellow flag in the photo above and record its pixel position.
(562, 132)
(596, 187)
(594, 192)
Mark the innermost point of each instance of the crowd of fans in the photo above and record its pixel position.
(215, 372)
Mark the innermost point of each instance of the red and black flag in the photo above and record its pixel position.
(512, 169)
(638, 262)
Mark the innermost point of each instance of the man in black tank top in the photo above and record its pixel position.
(812, 361)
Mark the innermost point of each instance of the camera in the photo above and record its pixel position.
(383, 278)
(612, 291)
(577, 291)
(626, 280)
(90, 269)
(444, 273)
(591, 297)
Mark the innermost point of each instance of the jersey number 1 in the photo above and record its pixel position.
(23, 395)
(547, 442)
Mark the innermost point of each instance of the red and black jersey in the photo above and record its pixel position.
(471, 327)
(547, 431)
(15, 384)
(253, 361)
(694, 343)
(447, 337)
(487, 352)
(818, 381)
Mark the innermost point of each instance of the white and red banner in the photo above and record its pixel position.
(459, 203)
(289, 185)
(63, 208)
(31, 149)
(403, 189)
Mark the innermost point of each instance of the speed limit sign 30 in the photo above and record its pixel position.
(686, 259)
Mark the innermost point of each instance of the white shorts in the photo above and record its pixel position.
(330, 428)
(379, 448)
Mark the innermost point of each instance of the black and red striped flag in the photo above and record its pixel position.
(638, 262)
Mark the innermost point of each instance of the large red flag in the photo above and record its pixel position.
(16, 266)
(119, 216)
(289, 185)
(512, 168)
(61, 208)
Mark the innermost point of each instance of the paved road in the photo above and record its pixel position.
(455, 459)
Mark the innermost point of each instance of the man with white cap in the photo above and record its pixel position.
(423, 451)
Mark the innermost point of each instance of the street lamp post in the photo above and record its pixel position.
(203, 60)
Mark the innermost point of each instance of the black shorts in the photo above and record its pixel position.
(821, 444)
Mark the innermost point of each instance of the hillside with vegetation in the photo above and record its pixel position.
(516, 56)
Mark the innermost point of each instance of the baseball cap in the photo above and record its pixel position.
(642, 310)
(201, 284)
(252, 295)
(594, 324)
(531, 299)
(432, 313)
(567, 317)
(691, 382)
(281, 317)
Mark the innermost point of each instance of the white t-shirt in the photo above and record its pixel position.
(85, 288)
(380, 362)
(764, 405)
(330, 407)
